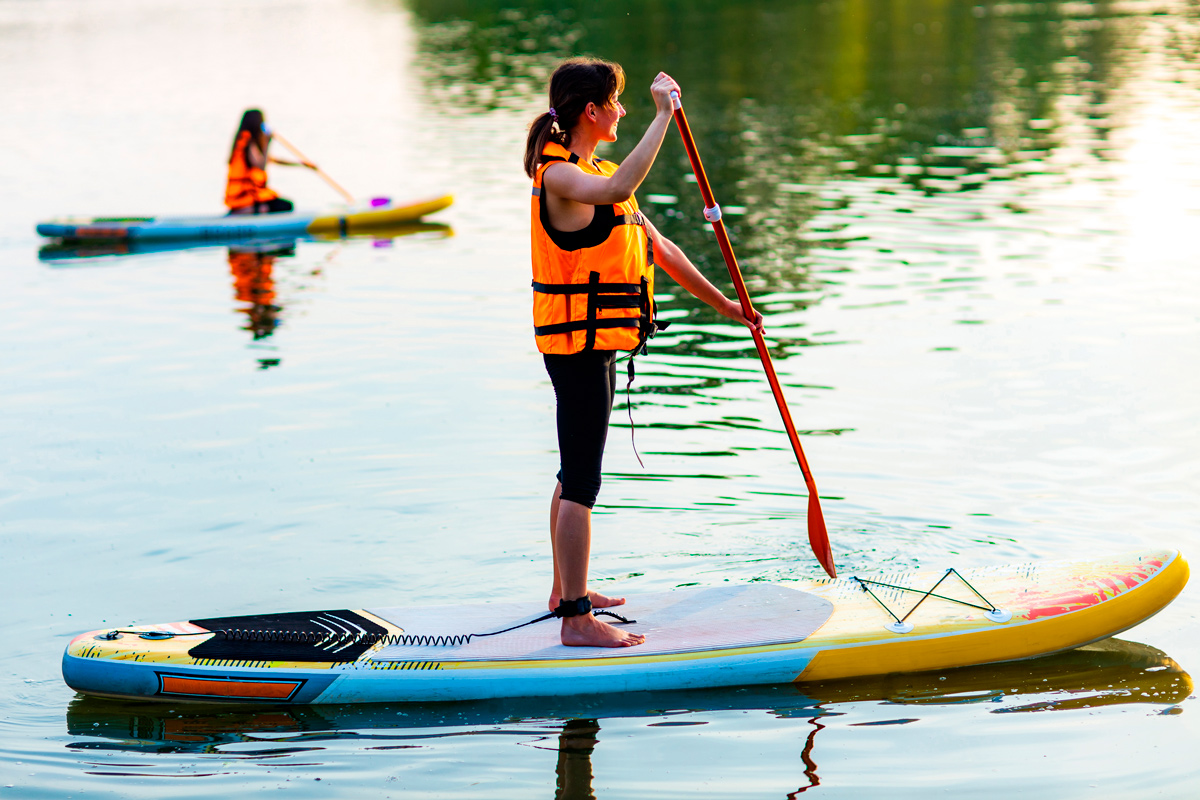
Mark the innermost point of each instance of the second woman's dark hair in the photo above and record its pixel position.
(252, 121)
(576, 82)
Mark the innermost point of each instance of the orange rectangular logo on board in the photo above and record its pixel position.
(228, 687)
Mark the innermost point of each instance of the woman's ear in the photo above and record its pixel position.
(590, 110)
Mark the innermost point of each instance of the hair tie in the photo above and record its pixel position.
(553, 114)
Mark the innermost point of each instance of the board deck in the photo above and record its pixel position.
(686, 621)
(701, 637)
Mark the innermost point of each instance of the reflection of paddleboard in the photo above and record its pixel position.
(1104, 673)
(73, 252)
(239, 227)
(696, 638)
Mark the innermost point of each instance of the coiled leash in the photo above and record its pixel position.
(573, 608)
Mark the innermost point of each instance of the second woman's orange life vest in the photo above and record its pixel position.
(592, 288)
(247, 185)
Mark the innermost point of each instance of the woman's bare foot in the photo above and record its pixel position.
(587, 631)
(598, 600)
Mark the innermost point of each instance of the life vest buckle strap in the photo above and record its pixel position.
(623, 301)
(593, 291)
(582, 325)
(587, 288)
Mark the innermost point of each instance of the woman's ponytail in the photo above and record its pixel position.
(541, 132)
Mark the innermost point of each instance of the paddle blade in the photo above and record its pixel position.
(818, 538)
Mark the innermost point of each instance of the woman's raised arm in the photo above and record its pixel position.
(571, 183)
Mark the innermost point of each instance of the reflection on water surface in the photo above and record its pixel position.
(916, 100)
(892, 174)
(252, 265)
(967, 223)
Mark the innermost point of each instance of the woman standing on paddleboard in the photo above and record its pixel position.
(593, 294)
(246, 189)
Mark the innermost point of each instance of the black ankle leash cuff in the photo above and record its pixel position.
(573, 608)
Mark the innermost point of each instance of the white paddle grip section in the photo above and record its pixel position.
(712, 214)
(675, 101)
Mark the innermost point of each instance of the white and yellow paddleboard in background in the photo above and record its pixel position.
(696, 638)
(233, 228)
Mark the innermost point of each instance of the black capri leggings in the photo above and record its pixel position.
(276, 206)
(584, 385)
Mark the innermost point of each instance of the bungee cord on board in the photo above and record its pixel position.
(901, 624)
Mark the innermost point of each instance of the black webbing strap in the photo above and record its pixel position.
(600, 296)
(584, 288)
(629, 402)
(620, 301)
(649, 327)
(582, 324)
(593, 290)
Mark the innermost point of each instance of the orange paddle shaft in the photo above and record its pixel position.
(818, 537)
(318, 170)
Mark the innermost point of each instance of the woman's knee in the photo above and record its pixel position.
(579, 489)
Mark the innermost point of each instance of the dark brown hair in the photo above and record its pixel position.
(576, 82)
(252, 121)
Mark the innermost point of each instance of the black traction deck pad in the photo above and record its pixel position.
(326, 636)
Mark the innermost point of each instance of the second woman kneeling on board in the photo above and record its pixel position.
(246, 190)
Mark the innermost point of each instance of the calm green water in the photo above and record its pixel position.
(969, 227)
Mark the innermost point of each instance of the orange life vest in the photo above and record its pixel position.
(252, 279)
(592, 288)
(247, 185)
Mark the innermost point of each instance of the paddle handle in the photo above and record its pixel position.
(318, 170)
(818, 537)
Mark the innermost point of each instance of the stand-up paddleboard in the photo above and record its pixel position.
(341, 220)
(1108, 673)
(695, 638)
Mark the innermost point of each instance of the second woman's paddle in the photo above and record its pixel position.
(817, 535)
(318, 170)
